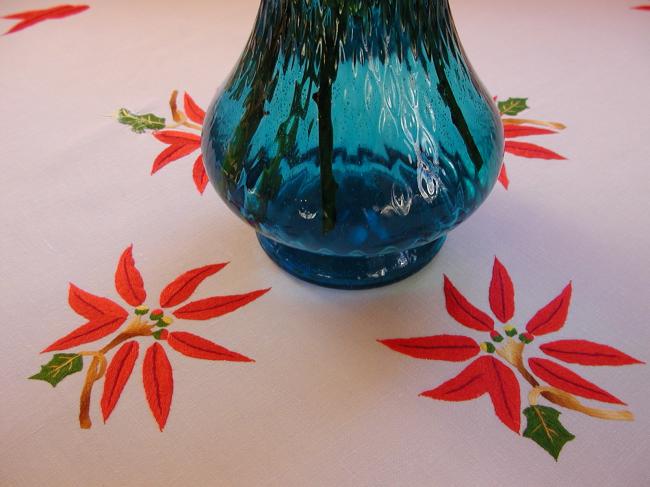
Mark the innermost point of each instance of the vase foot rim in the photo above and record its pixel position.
(344, 272)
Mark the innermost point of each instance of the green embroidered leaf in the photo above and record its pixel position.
(61, 366)
(544, 428)
(513, 106)
(140, 123)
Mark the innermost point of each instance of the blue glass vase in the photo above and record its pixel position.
(353, 135)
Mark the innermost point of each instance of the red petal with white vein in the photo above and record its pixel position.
(503, 177)
(199, 175)
(117, 375)
(184, 285)
(205, 309)
(567, 380)
(93, 307)
(89, 332)
(584, 352)
(452, 348)
(194, 112)
(552, 316)
(128, 280)
(530, 151)
(158, 381)
(511, 131)
(502, 293)
(485, 374)
(465, 312)
(195, 346)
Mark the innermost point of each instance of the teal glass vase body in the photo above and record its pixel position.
(353, 135)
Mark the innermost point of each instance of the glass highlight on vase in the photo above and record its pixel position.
(353, 135)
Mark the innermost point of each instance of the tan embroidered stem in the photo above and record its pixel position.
(520, 121)
(569, 401)
(95, 371)
(178, 116)
(513, 353)
(184, 123)
(173, 107)
(97, 367)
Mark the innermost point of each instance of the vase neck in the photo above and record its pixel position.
(356, 6)
(370, 28)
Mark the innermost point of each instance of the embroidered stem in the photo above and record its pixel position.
(569, 401)
(513, 352)
(95, 371)
(178, 116)
(184, 124)
(521, 121)
(97, 366)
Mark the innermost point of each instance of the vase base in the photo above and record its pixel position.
(350, 272)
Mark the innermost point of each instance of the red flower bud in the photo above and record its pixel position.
(526, 337)
(156, 314)
(160, 334)
(496, 336)
(141, 310)
(487, 347)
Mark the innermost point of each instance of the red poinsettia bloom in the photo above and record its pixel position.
(105, 316)
(33, 17)
(518, 127)
(497, 358)
(182, 143)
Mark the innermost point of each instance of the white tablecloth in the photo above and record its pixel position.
(324, 403)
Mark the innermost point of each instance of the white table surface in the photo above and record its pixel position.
(324, 403)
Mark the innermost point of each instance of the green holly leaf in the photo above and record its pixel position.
(61, 366)
(513, 106)
(544, 428)
(140, 123)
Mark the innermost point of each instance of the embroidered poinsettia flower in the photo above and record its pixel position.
(495, 361)
(181, 143)
(514, 128)
(106, 316)
(32, 17)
